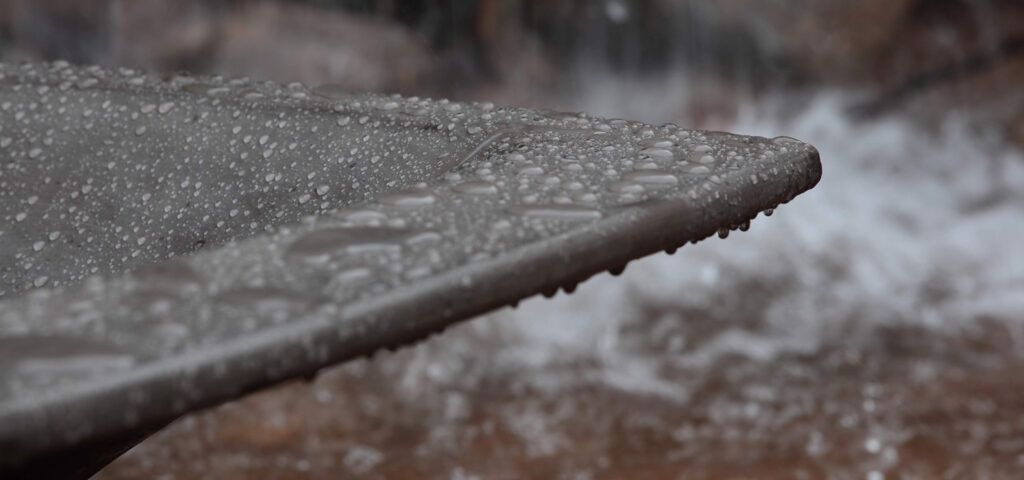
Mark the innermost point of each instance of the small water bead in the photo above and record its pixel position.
(322, 190)
(476, 188)
(409, 198)
(786, 141)
(658, 153)
(657, 142)
(626, 187)
(652, 177)
(422, 238)
(515, 157)
(38, 245)
(362, 216)
(531, 170)
(644, 131)
(199, 88)
(352, 275)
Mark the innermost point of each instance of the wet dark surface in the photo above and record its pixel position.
(319, 251)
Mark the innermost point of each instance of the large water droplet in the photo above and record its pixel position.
(351, 240)
(476, 188)
(557, 212)
(409, 198)
(652, 177)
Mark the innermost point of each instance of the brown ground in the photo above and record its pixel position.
(900, 403)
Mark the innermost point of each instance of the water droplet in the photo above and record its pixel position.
(317, 244)
(657, 153)
(476, 188)
(531, 170)
(652, 177)
(786, 141)
(626, 187)
(557, 212)
(266, 300)
(409, 198)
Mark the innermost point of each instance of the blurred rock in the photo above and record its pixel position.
(313, 45)
(268, 40)
(75, 30)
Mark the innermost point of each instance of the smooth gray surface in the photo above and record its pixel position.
(168, 244)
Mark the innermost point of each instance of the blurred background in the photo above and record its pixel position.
(871, 329)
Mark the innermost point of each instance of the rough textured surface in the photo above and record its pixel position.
(245, 233)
